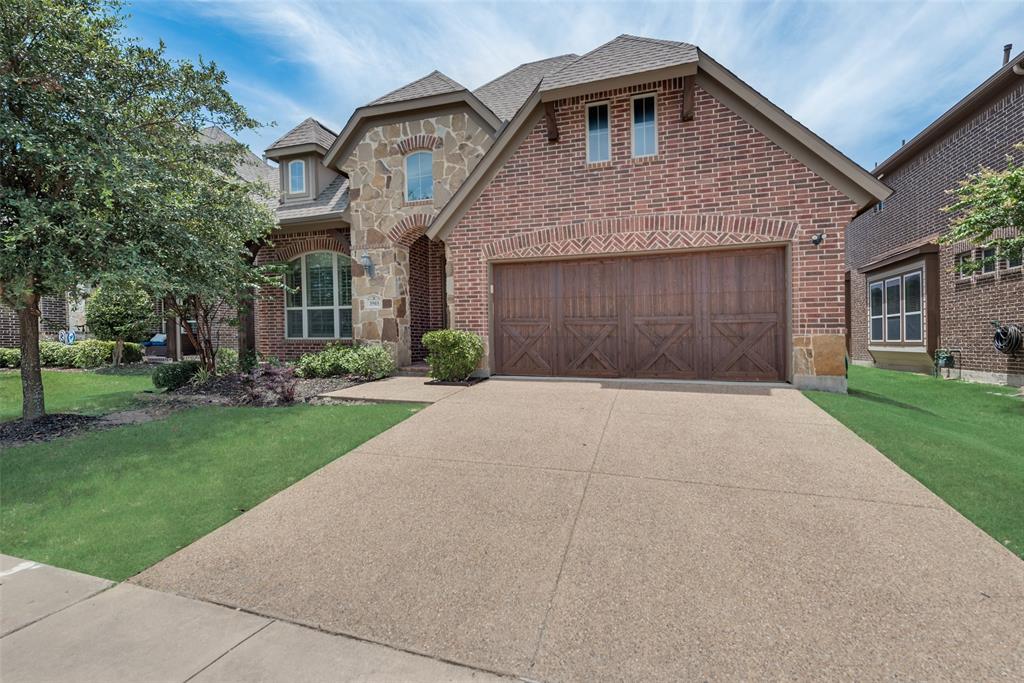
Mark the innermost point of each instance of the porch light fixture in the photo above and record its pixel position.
(366, 263)
(817, 238)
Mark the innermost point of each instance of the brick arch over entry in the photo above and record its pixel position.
(410, 228)
(643, 233)
(291, 249)
(417, 142)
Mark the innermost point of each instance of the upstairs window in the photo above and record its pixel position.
(419, 176)
(297, 177)
(645, 129)
(598, 134)
(1015, 261)
(318, 304)
(988, 264)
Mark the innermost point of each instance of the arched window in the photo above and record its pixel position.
(297, 177)
(419, 176)
(318, 304)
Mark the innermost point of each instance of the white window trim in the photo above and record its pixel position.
(586, 130)
(290, 164)
(405, 165)
(881, 316)
(304, 307)
(920, 312)
(885, 307)
(632, 126)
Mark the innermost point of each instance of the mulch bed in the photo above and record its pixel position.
(232, 392)
(46, 428)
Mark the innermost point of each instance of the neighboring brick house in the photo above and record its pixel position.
(635, 212)
(906, 299)
(53, 319)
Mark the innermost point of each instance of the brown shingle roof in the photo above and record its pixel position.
(309, 131)
(331, 202)
(434, 83)
(506, 93)
(622, 56)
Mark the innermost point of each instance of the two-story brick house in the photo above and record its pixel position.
(907, 300)
(635, 212)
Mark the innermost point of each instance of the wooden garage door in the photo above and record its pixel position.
(709, 315)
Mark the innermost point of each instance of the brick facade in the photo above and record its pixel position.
(426, 292)
(715, 181)
(54, 310)
(913, 215)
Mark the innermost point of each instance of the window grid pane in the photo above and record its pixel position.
(320, 322)
(876, 312)
(293, 323)
(599, 147)
(912, 293)
(892, 310)
(319, 279)
(344, 281)
(912, 327)
(293, 278)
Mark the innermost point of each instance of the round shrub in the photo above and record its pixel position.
(370, 362)
(454, 354)
(10, 358)
(173, 376)
(331, 362)
(57, 354)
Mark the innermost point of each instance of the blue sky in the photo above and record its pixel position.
(863, 75)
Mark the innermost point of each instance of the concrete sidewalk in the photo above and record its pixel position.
(63, 626)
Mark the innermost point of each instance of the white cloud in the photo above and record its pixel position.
(862, 74)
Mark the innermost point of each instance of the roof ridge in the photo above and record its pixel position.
(435, 72)
(524, 64)
(659, 41)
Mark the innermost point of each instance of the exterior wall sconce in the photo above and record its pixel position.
(817, 238)
(367, 263)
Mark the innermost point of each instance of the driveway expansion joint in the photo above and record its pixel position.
(226, 652)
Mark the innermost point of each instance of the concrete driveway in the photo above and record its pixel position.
(582, 531)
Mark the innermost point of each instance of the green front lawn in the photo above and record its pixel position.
(92, 392)
(963, 441)
(112, 503)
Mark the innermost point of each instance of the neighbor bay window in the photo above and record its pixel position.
(895, 308)
(318, 302)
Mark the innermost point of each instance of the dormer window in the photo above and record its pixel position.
(419, 176)
(297, 177)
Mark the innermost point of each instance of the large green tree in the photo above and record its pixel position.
(988, 210)
(101, 162)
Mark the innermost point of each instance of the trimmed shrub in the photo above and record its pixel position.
(133, 353)
(173, 376)
(226, 361)
(10, 358)
(57, 354)
(92, 353)
(331, 362)
(370, 362)
(454, 354)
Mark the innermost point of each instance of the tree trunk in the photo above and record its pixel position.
(32, 406)
(118, 351)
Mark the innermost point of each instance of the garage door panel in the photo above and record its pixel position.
(590, 342)
(524, 303)
(711, 315)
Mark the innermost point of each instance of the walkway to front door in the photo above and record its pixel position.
(583, 531)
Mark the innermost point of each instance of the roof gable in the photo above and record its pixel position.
(599, 71)
(434, 83)
(622, 56)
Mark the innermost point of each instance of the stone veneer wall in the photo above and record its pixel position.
(384, 224)
(715, 181)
